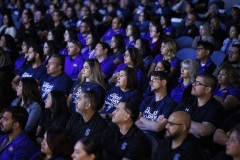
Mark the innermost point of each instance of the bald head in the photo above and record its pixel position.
(181, 117)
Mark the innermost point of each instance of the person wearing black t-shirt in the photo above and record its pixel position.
(177, 144)
(126, 140)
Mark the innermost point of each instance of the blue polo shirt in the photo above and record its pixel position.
(73, 66)
(21, 148)
(107, 67)
(110, 33)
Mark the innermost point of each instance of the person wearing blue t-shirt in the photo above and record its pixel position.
(126, 87)
(56, 78)
(35, 70)
(132, 34)
(91, 78)
(155, 110)
(74, 61)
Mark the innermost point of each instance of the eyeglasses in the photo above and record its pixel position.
(126, 55)
(154, 80)
(233, 52)
(197, 83)
(198, 49)
(172, 123)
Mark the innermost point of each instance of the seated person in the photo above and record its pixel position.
(126, 87)
(155, 109)
(228, 91)
(189, 72)
(204, 51)
(125, 141)
(177, 142)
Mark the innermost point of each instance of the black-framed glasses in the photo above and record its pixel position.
(197, 83)
(172, 123)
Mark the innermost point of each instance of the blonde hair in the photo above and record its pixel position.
(171, 45)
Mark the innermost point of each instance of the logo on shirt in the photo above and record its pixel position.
(46, 88)
(186, 109)
(124, 145)
(150, 115)
(10, 148)
(176, 156)
(112, 101)
(87, 132)
(25, 74)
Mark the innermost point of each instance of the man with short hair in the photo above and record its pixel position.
(35, 70)
(15, 143)
(126, 140)
(190, 28)
(177, 144)
(115, 29)
(206, 112)
(204, 51)
(74, 61)
(56, 78)
(233, 58)
(155, 109)
(86, 121)
(85, 29)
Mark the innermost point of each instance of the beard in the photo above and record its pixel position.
(171, 135)
(7, 131)
(31, 61)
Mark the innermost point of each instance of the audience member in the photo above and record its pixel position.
(74, 61)
(190, 28)
(143, 23)
(155, 109)
(204, 35)
(40, 24)
(228, 91)
(143, 46)
(231, 40)
(54, 145)
(126, 88)
(55, 79)
(85, 29)
(90, 78)
(234, 17)
(6, 64)
(70, 19)
(87, 122)
(155, 39)
(102, 54)
(115, 29)
(49, 48)
(118, 48)
(56, 113)
(8, 26)
(206, 112)
(35, 69)
(125, 141)
(132, 34)
(212, 11)
(8, 44)
(133, 59)
(30, 99)
(203, 51)
(88, 148)
(189, 72)
(177, 144)
(91, 42)
(15, 144)
(167, 27)
(168, 52)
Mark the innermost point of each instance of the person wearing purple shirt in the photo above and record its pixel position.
(168, 51)
(228, 91)
(102, 51)
(133, 59)
(126, 88)
(15, 143)
(189, 72)
(35, 69)
(132, 34)
(118, 48)
(56, 79)
(85, 29)
(91, 42)
(74, 61)
(203, 51)
(156, 39)
(115, 29)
